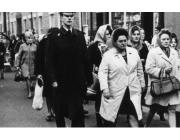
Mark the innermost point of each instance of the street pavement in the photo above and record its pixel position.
(16, 110)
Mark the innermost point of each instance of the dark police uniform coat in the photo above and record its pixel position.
(67, 63)
(40, 68)
(2, 53)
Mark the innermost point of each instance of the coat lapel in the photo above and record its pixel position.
(163, 56)
(129, 58)
(121, 59)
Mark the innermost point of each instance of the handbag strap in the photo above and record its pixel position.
(161, 77)
(173, 84)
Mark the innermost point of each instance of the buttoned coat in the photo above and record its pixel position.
(26, 59)
(67, 64)
(157, 60)
(116, 75)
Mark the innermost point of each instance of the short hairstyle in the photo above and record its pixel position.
(158, 28)
(61, 13)
(119, 32)
(173, 35)
(164, 31)
(135, 28)
(28, 33)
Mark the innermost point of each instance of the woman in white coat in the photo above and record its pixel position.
(121, 81)
(162, 57)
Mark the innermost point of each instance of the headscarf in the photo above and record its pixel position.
(101, 33)
(100, 37)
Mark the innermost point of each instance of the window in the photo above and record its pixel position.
(118, 19)
(126, 19)
(133, 18)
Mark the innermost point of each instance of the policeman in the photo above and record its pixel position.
(69, 72)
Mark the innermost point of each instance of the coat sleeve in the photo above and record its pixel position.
(90, 57)
(50, 59)
(151, 68)
(39, 63)
(87, 64)
(103, 72)
(19, 56)
(140, 72)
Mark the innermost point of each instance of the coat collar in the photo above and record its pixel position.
(162, 54)
(116, 53)
(64, 32)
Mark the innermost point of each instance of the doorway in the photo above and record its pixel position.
(147, 25)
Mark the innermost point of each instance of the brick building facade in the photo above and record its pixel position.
(18, 22)
(40, 22)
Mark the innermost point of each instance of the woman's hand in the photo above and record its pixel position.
(106, 93)
(54, 84)
(168, 70)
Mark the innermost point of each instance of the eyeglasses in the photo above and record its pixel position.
(68, 15)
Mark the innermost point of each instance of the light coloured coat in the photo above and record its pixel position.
(155, 61)
(116, 75)
(26, 59)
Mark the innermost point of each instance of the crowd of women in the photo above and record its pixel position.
(125, 64)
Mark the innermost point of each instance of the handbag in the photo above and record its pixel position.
(18, 76)
(164, 86)
(38, 97)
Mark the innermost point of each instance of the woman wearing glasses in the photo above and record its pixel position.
(95, 52)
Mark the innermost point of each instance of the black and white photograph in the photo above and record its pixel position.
(89, 69)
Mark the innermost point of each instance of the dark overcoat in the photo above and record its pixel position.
(2, 54)
(94, 55)
(67, 63)
(40, 65)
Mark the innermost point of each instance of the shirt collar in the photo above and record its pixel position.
(67, 28)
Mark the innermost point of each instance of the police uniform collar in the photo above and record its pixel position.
(64, 31)
(67, 28)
